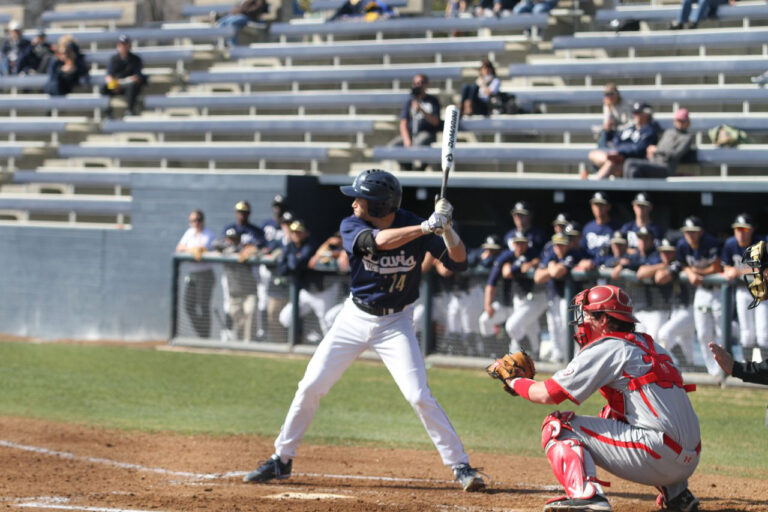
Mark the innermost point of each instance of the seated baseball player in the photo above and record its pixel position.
(648, 433)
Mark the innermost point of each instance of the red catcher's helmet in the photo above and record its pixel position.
(608, 299)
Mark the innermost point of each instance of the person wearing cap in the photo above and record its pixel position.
(15, 51)
(198, 283)
(419, 121)
(239, 285)
(124, 75)
(243, 12)
(273, 242)
(555, 266)
(251, 236)
(642, 208)
(699, 253)
(677, 330)
(273, 234)
(675, 146)
(574, 233)
(618, 259)
(597, 233)
(522, 216)
(753, 323)
(629, 142)
(529, 301)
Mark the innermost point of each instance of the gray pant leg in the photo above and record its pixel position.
(641, 168)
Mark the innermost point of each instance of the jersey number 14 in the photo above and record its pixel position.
(398, 283)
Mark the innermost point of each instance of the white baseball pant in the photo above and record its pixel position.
(463, 308)
(651, 321)
(394, 340)
(524, 320)
(707, 311)
(557, 316)
(679, 330)
(487, 324)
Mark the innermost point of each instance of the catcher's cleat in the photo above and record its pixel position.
(565, 504)
(272, 469)
(468, 478)
(683, 502)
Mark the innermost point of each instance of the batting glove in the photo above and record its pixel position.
(443, 207)
(434, 224)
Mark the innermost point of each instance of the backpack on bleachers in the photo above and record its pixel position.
(505, 103)
(727, 136)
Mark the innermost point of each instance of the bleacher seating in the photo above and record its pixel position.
(332, 5)
(279, 101)
(742, 10)
(74, 177)
(66, 204)
(81, 16)
(40, 125)
(149, 56)
(45, 103)
(142, 36)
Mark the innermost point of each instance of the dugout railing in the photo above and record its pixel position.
(276, 327)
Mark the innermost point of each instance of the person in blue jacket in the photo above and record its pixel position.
(631, 142)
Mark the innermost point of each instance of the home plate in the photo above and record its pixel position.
(306, 496)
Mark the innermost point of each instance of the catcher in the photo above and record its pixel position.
(648, 433)
(756, 256)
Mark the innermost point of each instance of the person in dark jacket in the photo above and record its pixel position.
(14, 53)
(124, 75)
(68, 70)
(630, 142)
(674, 146)
(40, 55)
(242, 13)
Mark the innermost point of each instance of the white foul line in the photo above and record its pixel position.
(75, 507)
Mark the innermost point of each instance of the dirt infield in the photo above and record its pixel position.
(58, 466)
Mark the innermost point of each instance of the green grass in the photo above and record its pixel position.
(144, 389)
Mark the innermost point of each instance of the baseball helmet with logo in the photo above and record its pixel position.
(605, 298)
(380, 188)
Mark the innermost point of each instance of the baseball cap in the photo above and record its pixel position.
(640, 107)
(573, 229)
(522, 208)
(599, 198)
(243, 206)
(560, 239)
(491, 242)
(666, 245)
(287, 217)
(643, 231)
(298, 225)
(519, 237)
(561, 220)
(743, 220)
(124, 38)
(692, 223)
(278, 200)
(643, 199)
(681, 114)
(231, 233)
(618, 238)
(14, 25)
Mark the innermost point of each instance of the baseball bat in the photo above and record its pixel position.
(450, 128)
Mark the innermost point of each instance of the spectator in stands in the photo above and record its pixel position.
(369, 10)
(522, 217)
(616, 113)
(124, 75)
(419, 119)
(199, 282)
(642, 208)
(707, 9)
(630, 142)
(675, 145)
(68, 70)
(455, 8)
(15, 51)
(498, 8)
(476, 97)
(41, 53)
(240, 286)
(242, 13)
(534, 6)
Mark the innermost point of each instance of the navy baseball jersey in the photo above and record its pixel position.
(273, 233)
(536, 236)
(390, 279)
(707, 253)
(249, 234)
(674, 293)
(596, 239)
(733, 252)
(475, 259)
(524, 283)
(556, 287)
(629, 230)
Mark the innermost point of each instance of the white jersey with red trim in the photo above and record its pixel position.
(640, 381)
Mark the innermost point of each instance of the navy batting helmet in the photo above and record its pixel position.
(380, 188)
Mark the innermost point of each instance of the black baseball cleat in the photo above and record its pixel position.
(683, 502)
(565, 504)
(468, 478)
(272, 469)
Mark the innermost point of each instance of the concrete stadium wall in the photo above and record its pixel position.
(85, 283)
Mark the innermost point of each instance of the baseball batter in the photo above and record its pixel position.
(386, 246)
(648, 433)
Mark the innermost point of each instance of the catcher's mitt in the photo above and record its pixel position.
(512, 366)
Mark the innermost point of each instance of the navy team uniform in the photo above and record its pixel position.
(536, 236)
(629, 230)
(707, 306)
(557, 312)
(249, 234)
(377, 316)
(596, 240)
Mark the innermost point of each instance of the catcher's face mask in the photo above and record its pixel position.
(583, 333)
(755, 257)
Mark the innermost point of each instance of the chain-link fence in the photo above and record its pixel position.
(222, 300)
